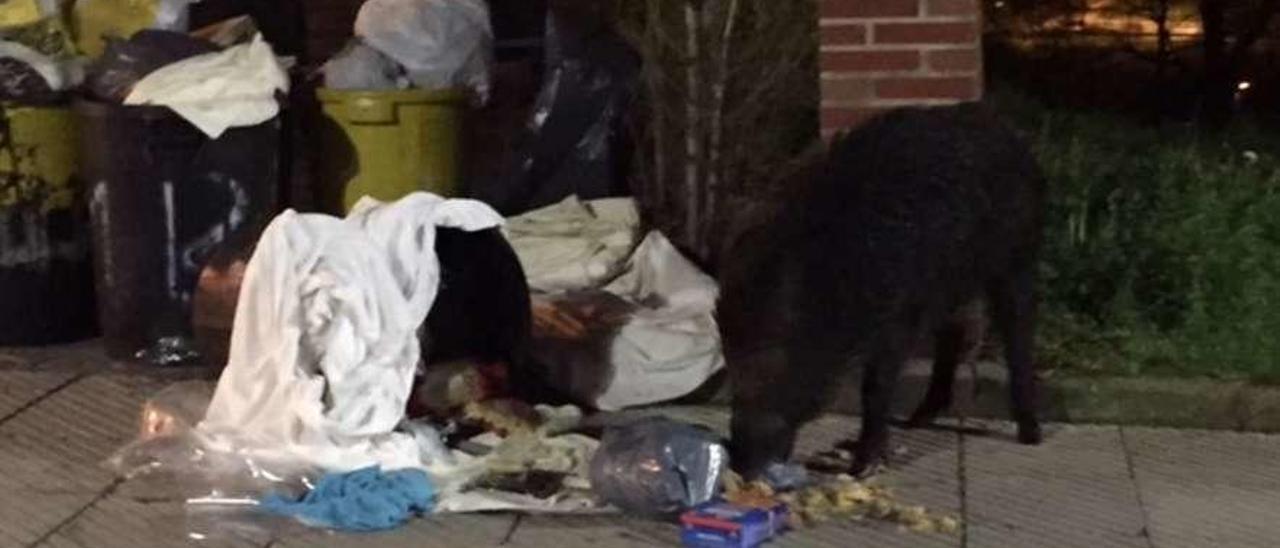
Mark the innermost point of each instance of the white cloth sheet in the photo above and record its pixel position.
(325, 346)
(232, 88)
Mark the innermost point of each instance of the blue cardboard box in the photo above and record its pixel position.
(724, 525)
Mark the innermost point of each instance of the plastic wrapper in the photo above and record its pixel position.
(657, 466)
(125, 62)
(572, 144)
(361, 67)
(787, 477)
(440, 43)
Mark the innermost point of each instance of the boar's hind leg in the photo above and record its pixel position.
(956, 342)
(1014, 310)
(949, 352)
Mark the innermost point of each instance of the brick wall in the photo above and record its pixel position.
(878, 54)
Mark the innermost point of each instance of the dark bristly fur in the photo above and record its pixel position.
(913, 219)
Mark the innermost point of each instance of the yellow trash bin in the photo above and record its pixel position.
(387, 144)
(46, 276)
(41, 153)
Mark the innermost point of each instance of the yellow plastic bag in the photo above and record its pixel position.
(97, 20)
(47, 35)
(16, 13)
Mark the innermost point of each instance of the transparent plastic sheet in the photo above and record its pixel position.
(440, 43)
(656, 466)
(219, 490)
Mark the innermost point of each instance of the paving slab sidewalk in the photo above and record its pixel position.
(62, 412)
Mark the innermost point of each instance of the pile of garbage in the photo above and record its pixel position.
(501, 455)
(38, 57)
(140, 53)
(324, 414)
(422, 44)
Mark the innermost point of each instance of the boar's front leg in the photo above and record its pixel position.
(775, 393)
(882, 367)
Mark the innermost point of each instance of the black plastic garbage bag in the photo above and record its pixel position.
(574, 140)
(125, 62)
(20, 81)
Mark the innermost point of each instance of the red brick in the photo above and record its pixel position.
(844, 34)
(953, 8)
(926, 33)
(848, 89)
(954, 60)
(870, 61)
(869, 8)
(962, 88)
(841, 118)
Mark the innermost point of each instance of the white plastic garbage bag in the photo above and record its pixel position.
(235, 87)
(574, 245)
(361, 67)
(665, 346)
(650, 333)
(441, 43)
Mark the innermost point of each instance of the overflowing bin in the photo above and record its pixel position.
(46, 279)
(163, 197)
(387, 144)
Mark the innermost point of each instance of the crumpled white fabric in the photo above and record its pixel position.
(668, 346)
(232, 88)
(574, 244)
(324, 346)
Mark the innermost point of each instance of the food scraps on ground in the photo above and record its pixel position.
(842, 498)
(507, 417)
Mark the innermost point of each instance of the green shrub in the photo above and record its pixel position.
(1162, 246)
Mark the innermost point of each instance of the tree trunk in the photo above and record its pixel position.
(1164, 39)
(693, 123)
(658, 177)
(1218, 81)
(715, 164)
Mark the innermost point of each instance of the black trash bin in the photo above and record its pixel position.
(162, 198)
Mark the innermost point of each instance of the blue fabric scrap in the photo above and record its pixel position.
(364, 500)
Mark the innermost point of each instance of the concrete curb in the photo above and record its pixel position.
(1175, 403)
